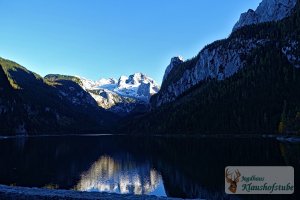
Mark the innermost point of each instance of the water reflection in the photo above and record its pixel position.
(173, 167)
(120, 176)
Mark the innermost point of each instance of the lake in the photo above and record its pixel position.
(186, 167)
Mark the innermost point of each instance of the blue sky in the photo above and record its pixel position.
(109, 38)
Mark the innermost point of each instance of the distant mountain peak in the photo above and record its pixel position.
(133, 82)
(123, 94)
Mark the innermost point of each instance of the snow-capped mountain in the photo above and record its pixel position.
(123, 95)
(137, 86)
(268, 10)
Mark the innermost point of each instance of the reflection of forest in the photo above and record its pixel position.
(194, 168)
(187, 167)
(124, 176)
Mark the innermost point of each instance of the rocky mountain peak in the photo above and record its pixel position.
(175, 61)
(268, 10)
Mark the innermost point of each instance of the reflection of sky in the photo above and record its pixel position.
(110, 175)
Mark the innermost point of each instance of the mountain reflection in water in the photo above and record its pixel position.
(182, 167)
(110, 175)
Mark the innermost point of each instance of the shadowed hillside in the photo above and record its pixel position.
(30, 104)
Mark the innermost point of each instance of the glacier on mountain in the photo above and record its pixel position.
(123, 95)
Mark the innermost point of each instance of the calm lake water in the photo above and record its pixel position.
(173, 167)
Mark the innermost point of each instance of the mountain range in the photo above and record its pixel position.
(127, 95)
(246, 83)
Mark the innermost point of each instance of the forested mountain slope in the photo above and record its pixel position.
(30, 104)
(247, 83)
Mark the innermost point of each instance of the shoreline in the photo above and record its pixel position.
(26, 193)
(288, 138)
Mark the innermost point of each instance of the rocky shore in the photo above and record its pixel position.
(24, 193)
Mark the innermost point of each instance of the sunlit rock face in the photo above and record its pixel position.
(268, 10)
(219, 61)
(224, 58)
(109, 175)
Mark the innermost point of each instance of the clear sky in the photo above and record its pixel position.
(108, 38)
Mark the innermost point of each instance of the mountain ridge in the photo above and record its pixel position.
(30, 104)
(258, 94)
(268, 10)
(218, 60)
